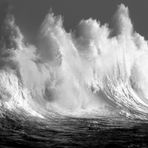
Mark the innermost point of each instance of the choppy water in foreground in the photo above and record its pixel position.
(72, 132)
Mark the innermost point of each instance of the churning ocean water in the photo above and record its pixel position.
(84, 88)
(102, 132)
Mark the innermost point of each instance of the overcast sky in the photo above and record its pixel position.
(29, 14)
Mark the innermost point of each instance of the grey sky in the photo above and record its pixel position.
(30, 13)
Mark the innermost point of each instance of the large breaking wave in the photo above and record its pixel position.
(93, 70)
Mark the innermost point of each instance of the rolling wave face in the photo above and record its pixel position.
(93, 70)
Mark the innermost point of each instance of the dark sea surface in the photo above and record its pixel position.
(31, 132)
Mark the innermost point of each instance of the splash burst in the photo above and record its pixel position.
(93, 70)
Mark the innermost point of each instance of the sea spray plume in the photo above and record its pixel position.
(94, 69)
(122, 22)
(12, 93)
